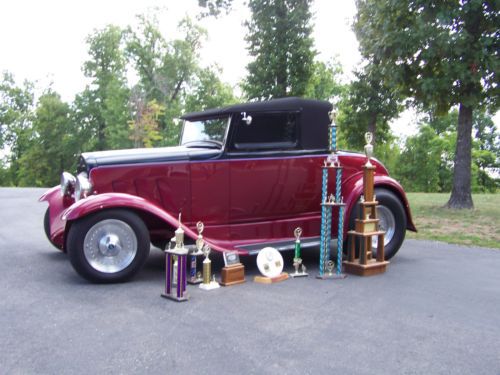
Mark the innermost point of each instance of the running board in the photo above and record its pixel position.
(253, 249)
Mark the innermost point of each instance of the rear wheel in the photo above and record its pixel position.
(392, 220)
(110, 246)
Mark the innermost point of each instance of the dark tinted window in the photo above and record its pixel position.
(270, 131)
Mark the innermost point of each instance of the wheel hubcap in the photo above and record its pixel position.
(110, 246)
(387, 223)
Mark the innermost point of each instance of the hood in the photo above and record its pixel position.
(89, 160)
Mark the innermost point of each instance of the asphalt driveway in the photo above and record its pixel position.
(435, 311)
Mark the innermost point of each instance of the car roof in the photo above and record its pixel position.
(288, 104)
(314, 118)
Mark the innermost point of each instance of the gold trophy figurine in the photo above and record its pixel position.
(368, 148)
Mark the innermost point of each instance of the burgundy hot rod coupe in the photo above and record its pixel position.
(251, 172)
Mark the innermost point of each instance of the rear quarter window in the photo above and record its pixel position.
(268, 131)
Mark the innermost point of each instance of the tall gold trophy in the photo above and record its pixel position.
(359, 258)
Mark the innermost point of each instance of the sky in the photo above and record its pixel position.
(44, 41)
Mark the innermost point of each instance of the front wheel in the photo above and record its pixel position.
(392, 220)
(110, 246)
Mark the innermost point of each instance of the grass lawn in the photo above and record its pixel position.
(477, 227)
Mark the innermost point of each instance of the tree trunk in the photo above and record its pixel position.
(461, 192)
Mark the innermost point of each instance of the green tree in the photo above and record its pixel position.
(215, 7)
(16, 115)
(325, 82)
(144, 127)
(165, 68)
(368, 105)
(279, 40)
(441, 54)
(51, 144)
(208, 91)
(103, 106)
(424, 164)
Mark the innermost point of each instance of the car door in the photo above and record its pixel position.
(273, 182)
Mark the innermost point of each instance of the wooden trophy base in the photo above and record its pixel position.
(270, 280)
(232, 275)
(372, 267)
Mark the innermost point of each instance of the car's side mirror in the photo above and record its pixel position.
(247, 119)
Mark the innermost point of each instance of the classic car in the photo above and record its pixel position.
(250, 172)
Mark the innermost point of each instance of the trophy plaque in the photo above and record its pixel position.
(234, 272)
(297, 260)
(359, 258)
(270, 264)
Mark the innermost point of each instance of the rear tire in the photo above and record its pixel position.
(393, 221)
(109, 246)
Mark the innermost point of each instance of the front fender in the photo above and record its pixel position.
(95, 203)
(355, 187)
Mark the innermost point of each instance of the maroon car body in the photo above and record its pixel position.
(250, 184)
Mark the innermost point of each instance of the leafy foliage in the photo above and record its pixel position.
(279, 40)
(52, 143)
(440, 54)
(144, 127)
(165, 69)
(103, 106)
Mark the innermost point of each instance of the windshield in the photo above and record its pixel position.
(204, 132)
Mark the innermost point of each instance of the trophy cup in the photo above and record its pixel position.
(175, 268)
(194, 275)
(208, 283)
(297, 260)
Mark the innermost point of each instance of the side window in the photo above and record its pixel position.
(267, 131)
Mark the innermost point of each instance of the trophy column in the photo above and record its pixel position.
(328, 202)
(366, 227)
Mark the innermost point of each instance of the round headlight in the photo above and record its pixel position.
(67, 184)
(83, 187)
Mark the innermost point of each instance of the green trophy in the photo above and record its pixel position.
(297, 260)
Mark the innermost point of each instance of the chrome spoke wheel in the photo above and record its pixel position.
(110, 246)
(387, 223)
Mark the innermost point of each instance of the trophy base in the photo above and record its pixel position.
(232, 275)
(299, 274)
(195, 281)
(333, 276)
(270, 280)
(210, 286)
(173, 297)
(371, 268)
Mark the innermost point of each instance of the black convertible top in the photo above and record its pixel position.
(314, 116)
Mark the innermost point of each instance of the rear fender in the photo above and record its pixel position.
(355, 188)
(96, 203)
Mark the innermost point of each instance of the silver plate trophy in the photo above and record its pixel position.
(297, 260)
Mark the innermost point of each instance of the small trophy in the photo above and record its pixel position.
(194, 275)
(175, 268)
(297, 260)
(368, 148)
(208, 282)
